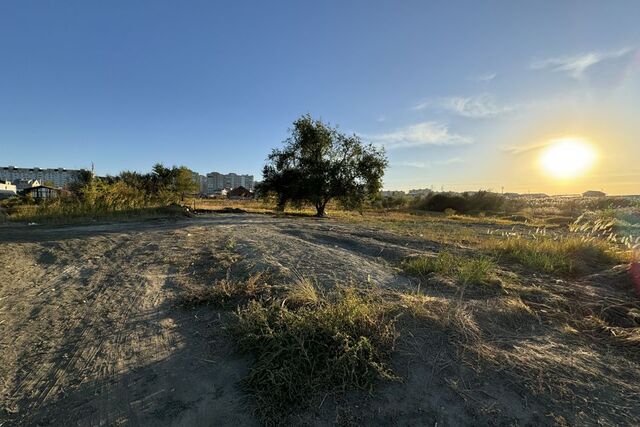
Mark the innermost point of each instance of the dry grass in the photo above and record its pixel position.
(444, 315)
(561, 255)
(464, 270)
(226, 293)
(302, 293)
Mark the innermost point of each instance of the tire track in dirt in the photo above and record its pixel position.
(117, 351)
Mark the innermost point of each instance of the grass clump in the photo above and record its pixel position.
(463, 269)
(568, 256)
(302, 293)
(225, 293)
(343, 340)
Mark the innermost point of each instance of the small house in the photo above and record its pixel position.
(42, 192)
(240, 193)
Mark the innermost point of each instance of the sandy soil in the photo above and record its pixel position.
(90, 333)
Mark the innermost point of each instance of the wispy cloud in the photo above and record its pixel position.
(576, 66)
(521, 149)
(430, 164)
(474, 107)
(486, 77)
(425, 133)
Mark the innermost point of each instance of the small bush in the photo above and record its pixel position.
(481, 201)
(463, 269)
(343, 341)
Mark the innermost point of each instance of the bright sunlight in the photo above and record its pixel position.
(567, 158)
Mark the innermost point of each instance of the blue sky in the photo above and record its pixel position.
(463, 94)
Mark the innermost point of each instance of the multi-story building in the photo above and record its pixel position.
(59, 176)
(217, 181)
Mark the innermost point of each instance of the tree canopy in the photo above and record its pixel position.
(318, 163)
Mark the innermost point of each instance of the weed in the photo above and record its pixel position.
(231, 244)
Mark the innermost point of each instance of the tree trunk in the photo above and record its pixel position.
(320, 209)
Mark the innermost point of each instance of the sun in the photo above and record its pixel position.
(567, 158)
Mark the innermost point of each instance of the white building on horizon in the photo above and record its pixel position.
(59, 176)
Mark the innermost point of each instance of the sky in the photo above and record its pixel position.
(463, 95)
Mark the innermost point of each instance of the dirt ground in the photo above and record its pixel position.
(91, 335)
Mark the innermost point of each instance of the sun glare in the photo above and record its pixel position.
(567, 158)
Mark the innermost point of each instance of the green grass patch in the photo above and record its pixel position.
(329, 344)
(568, 255)
(464, 270)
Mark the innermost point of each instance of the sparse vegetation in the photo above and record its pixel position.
(554, 342)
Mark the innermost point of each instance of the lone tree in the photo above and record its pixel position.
(318, 164)
(177, 180)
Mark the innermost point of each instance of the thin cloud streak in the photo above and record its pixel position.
(487, 77)
(430, 164)
(420, 134)
(482, 106)
(521, 149)
(577, 65)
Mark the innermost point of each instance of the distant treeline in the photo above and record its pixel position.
(486, 201)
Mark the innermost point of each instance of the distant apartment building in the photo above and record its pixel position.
(58, 176)
(392, 193)
(217, 181)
